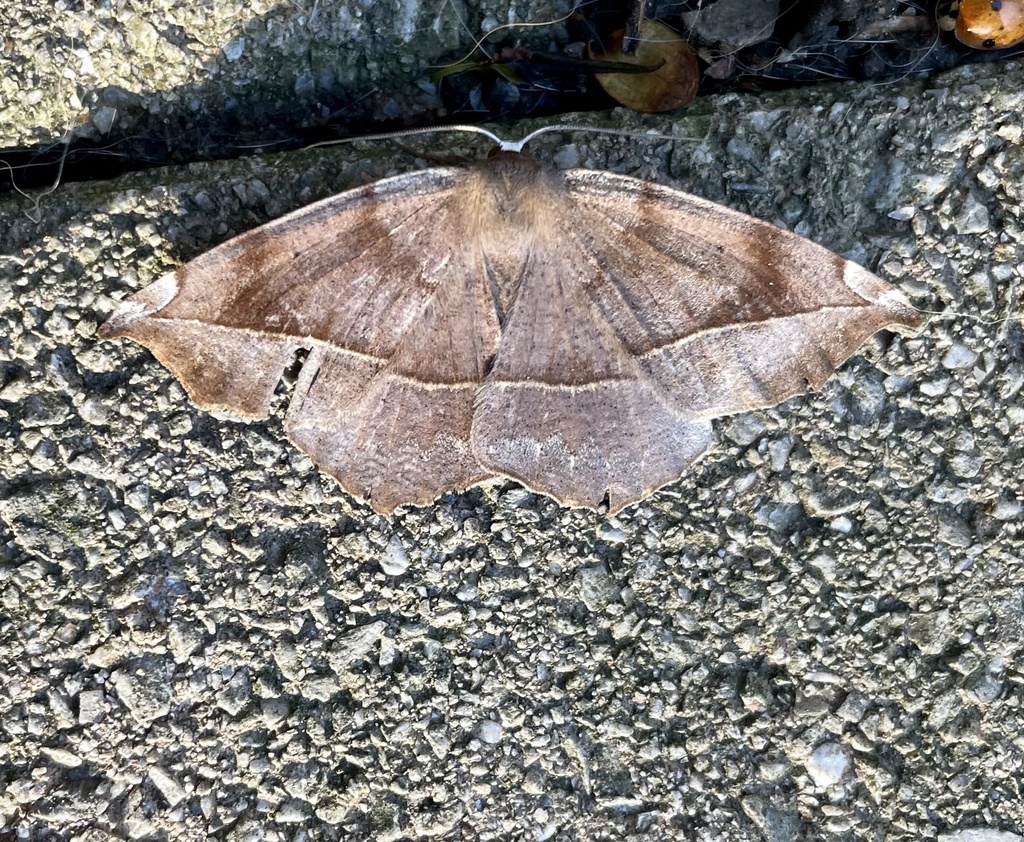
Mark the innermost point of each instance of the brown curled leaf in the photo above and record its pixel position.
(671, 85)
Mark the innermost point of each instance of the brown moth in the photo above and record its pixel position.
(576, 331)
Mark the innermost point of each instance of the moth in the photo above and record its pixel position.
(574, 330)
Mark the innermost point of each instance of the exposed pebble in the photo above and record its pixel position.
(959, 356)
(745, 429)
(91, 706)
(169, 788)
(144, 687)
(395, 560)
(597, 588)
(829, 764)
(489, 732)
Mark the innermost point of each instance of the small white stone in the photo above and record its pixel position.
(826, 565)
(842, 524)
(91, 706)
(354, 644)
(828, 764)
(388, 652)
(959, 356)
(293, 811)
(394, 561)
(1007, 510)
(903, 214)
(935, 388)
(612, 533)
(974, 218)
(1011, 132)
(546, 832)
(62, 757)
(233, 49)
(745, 429)
(168, 786)
(489, 732)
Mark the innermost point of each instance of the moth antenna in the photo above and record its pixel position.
(517, 146)
(503, 144)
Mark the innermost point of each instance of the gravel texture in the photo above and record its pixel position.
(163, 68)
(814, 634)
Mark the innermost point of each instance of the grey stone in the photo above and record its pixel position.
(829, 764)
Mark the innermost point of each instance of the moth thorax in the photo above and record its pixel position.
(509, 203)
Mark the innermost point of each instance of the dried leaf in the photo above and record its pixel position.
(672, 84)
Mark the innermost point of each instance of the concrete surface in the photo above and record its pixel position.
(814, 634)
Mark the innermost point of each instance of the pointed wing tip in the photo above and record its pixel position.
(121, 320)
(884, 295)
(906, 315)
(144, 303)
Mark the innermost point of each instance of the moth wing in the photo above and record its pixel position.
(722, 312)
(370, 283)
(650, 313)
(566, 410)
